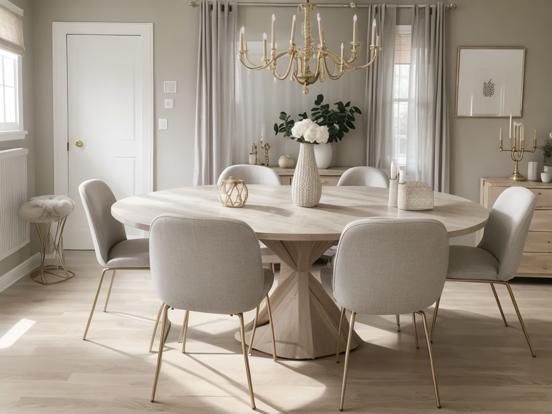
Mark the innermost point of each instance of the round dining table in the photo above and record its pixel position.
(305, 316)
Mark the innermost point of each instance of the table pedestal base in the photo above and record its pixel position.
(305, 318)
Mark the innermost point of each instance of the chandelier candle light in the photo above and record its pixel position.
(516, 135)
(301, 59)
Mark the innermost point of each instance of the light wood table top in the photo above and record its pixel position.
(273, 216)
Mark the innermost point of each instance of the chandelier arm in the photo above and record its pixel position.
(250, 65)
(288, 69)
(370, 62)
(330, 75)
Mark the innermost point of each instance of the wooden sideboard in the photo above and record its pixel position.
(329, 176)
(537, 254)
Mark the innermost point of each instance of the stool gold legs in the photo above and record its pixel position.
(346, 365)
(246, 362)
(430, 355)
(51, 243)
(339, 326)
(499, 305)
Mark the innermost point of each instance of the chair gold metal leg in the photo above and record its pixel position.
(152, 340)
(160, 353)
(430, 354)
(246, 361)
(434, 319)
(346, 365)
(270, 321)
(511, 292)
(499, 305)
(104, 271)
(415, 330)
(109, 290)
(254, 329)
(341, 316)
(398, 318)
(185, 330)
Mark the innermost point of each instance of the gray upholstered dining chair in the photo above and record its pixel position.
(255, 174)
(113, 250)
(389, 267)
(497, 257)
(207, 265)
(251, 174)
(364, 176)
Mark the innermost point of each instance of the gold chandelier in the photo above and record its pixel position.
(301, 59)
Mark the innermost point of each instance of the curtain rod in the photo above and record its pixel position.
(351, 5)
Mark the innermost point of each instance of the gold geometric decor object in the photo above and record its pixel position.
(233, 192)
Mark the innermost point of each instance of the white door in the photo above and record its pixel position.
(105, 120)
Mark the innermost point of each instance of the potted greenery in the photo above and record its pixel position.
(338, 118)
(547, 150)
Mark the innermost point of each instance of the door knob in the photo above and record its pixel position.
(79, 143)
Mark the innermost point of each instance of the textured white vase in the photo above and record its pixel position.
(306, 188)
(323, 154)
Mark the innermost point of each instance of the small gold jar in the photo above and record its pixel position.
(233, 192)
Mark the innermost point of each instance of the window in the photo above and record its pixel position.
(401, 86)
(9, 96)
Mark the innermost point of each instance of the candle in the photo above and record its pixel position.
(292, 38)
(377, 40)
(393, 170)
(355, 18)
(510, 130)
(242, 32)
(320, 36)
(341, 62)
(471, 105)
(522, 136)
(402, 176)
(264, 46)
(272, 30)
(373, 36)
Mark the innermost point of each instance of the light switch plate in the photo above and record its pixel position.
(168, 103)
(169, 86)
(162, 124)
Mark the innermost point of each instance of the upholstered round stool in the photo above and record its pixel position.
(48, 215)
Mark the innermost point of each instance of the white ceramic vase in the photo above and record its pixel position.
(306, 188)
(323, 154)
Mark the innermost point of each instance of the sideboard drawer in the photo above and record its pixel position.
(542, 220)
(286, 179)
(539, 242)
(544, 198)
(536, 263)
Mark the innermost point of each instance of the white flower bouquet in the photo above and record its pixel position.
(309, 132)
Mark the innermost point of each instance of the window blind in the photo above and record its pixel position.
(403, 43)
(11, 31)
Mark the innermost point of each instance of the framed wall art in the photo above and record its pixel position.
(490, 82)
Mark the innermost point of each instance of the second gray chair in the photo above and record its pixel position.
(389, 267)
(113, 250)
(207, 265)
(496, 259)
(364, 176)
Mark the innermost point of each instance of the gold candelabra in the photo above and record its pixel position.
(301, 59)
(517, 148)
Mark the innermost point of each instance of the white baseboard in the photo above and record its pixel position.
(19, 271)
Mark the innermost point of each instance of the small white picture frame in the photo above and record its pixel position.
(490, 82)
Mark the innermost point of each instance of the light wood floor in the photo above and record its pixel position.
(482, 366)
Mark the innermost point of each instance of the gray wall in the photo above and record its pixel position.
(24, 253)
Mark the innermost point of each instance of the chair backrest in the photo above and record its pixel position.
(206, 265)
(390, 266)
(97, 199)
(507, 228)
(364, 176)
(251, 174)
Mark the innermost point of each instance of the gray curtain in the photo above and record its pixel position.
(215, 89)
(428, 124)
(379, 88)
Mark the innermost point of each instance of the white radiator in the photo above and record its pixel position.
(14, 232)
